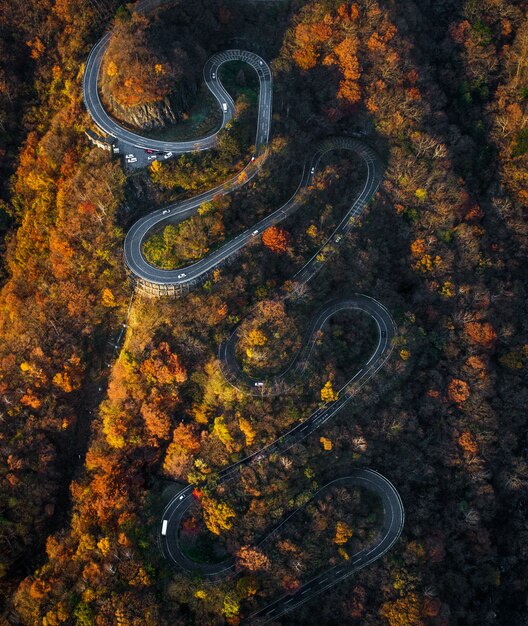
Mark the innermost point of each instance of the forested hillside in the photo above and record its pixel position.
(97, 435)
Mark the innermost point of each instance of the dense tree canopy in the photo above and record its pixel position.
(92, 437)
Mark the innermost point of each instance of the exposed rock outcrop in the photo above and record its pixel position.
(154, 115)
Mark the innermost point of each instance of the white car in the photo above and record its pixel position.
(312, 171)
(132, 160)
(338, 238)
(165, 211)
(152, 156)
(260, 62)
(168, 155)
(252, 159)
(255, 232)
(213, 75)
(182, 275)
(224, 106)
(129, 156)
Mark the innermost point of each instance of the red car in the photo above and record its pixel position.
(149, 151)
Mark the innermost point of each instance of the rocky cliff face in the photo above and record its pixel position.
(153, 115)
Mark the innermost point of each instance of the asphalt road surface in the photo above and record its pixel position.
(169, 537)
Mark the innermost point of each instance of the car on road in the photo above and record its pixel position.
(312, 171)
(224, 106)
(129, 156)
(167, 155)
(260, 63)
(252, 159)
(152, 156)
(213, 75)
(149, 151)
(182, 275)
(165, 211)
(255, 232)
(132, 160)
(338, 238)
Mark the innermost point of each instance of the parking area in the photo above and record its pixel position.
(137, 158)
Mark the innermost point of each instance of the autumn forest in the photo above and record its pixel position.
(114, 403)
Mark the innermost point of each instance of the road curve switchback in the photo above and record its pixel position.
(170, 524)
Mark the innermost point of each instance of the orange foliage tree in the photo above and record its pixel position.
(185, 443)
(403, 612)
(468, 443)
(163, 366)
(458, 390)
(135, 73)
(252, 559)
(276, 239)
(482, 333)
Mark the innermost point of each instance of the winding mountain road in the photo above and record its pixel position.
(108, 125)
(393, 509)
(173, 281)
(146, 273)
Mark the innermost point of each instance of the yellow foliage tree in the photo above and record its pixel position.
(108, 298)
(248, 430)
(217, 515)
(312, 231)
(111, 70)
(343, 553)
(156, 166)
(231, 606)
(328, 394)
(257, 337)
(104, 545)
(343, 533)
(222, 432)
(327, 444)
